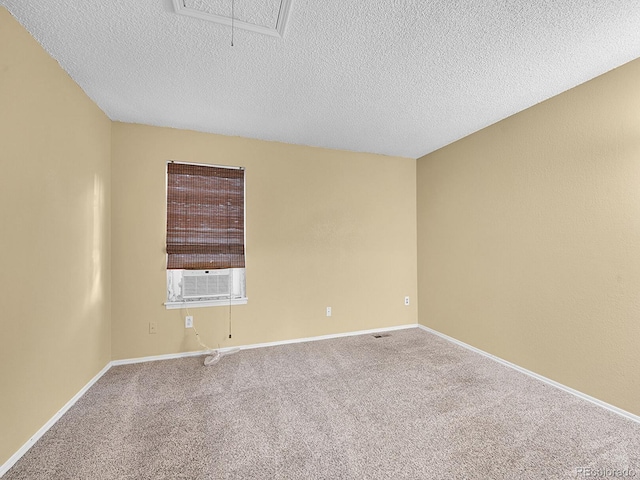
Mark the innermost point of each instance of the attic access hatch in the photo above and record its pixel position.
(268, 17)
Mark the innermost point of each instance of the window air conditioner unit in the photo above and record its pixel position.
(206, 283)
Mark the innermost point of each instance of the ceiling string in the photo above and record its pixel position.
(232, 15)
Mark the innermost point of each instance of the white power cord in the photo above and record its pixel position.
(216, 355)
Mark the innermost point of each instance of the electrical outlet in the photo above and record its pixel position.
(188, 321)
(153, 328)
(328, 311)
(406, 301)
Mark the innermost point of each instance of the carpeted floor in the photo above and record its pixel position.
(410, 405)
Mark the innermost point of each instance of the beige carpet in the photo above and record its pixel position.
(409, 405)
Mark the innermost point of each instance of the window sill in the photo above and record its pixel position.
(205, 303)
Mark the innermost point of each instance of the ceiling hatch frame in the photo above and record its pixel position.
(283, 16)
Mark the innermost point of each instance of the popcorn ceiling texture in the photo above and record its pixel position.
(398, 77)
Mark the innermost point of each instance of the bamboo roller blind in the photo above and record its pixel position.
(205, 217)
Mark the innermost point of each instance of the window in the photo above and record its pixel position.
(205, 235)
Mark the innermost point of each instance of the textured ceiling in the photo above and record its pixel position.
(398, 77)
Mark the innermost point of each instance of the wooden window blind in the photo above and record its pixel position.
(205, 217)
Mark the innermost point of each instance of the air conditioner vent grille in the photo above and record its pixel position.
(206, 285)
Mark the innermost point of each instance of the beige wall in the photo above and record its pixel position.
(529, 238)
(324, 228)
(55, 255)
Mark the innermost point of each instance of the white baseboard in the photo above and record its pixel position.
(171, 356)
(546, 380)
(328, 337)
(155, 358)
(29, 443)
